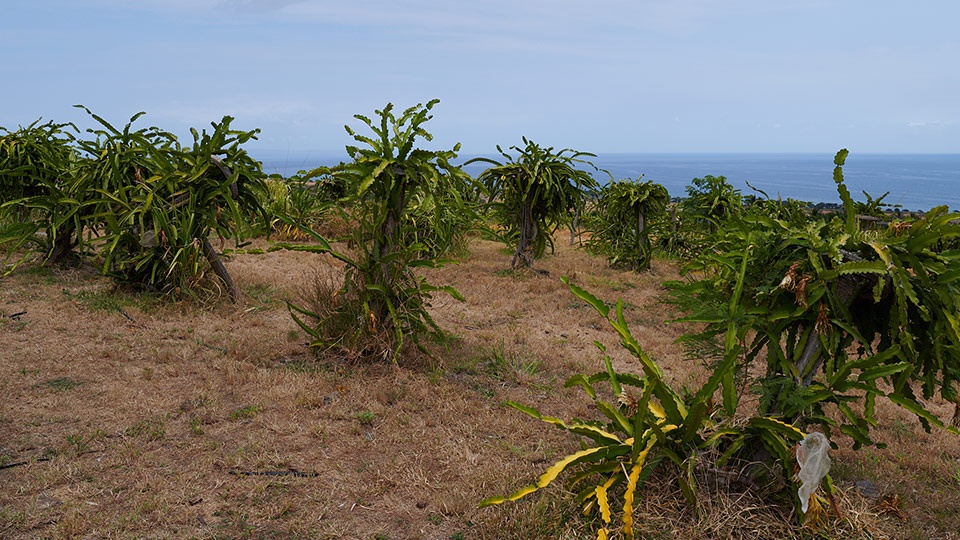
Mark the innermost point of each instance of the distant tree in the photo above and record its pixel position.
(790, 210)
(538, 189)
(712, 200)
(626, 211)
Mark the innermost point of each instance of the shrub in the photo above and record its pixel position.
(145, 203)
(409, 207)
(157, 203)
(40, 201)
(838, 314)
(649, 423)
(711, 201)
(533, 192)
(626, 213)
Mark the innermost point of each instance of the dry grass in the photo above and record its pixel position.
(128, 417)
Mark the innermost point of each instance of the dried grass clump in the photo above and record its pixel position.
(731, 509)
(342, 328)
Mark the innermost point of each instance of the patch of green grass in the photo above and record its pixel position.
(96, 300)
(196, 425)
(109, 300)
(622, 286)
(436, 374)
(15, 519)
(248, 412)
(518, 275)
(509, 366)
(202, 400)
(466, 366)
(60, 384)
(485, 391)
(366, 418)
(152, 430)
(78, 442)
(12, 325)
(305, 366)
(263, 294)
(44, 273)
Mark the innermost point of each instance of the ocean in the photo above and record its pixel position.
(914, 181)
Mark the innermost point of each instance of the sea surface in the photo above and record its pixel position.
(914, 181)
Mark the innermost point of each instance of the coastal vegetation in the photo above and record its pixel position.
(789, 322)
(533, 194)
(408, 208)
(628, 212)
(135, 202)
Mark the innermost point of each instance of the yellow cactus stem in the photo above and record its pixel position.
(657, 410)
(602, 534)
(632, 480)
(815, 513)
(551, 473)
(602, 502)
(628, 499)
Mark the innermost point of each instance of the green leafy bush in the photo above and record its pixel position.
(649, 423)
(409, 206)
(144, 204)
(157, 202)
(307, 198)
(626, 213)
(838, 315)
(534, 193)
(711, 201)
(40, 201)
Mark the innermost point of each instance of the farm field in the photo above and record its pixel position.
(128, 417)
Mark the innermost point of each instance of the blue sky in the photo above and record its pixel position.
(599, 76)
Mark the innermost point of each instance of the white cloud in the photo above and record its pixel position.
(930, 124)
(249, 109)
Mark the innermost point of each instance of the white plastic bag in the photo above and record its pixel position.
(814, 465)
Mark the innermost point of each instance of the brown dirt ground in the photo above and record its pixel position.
(123, 416)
